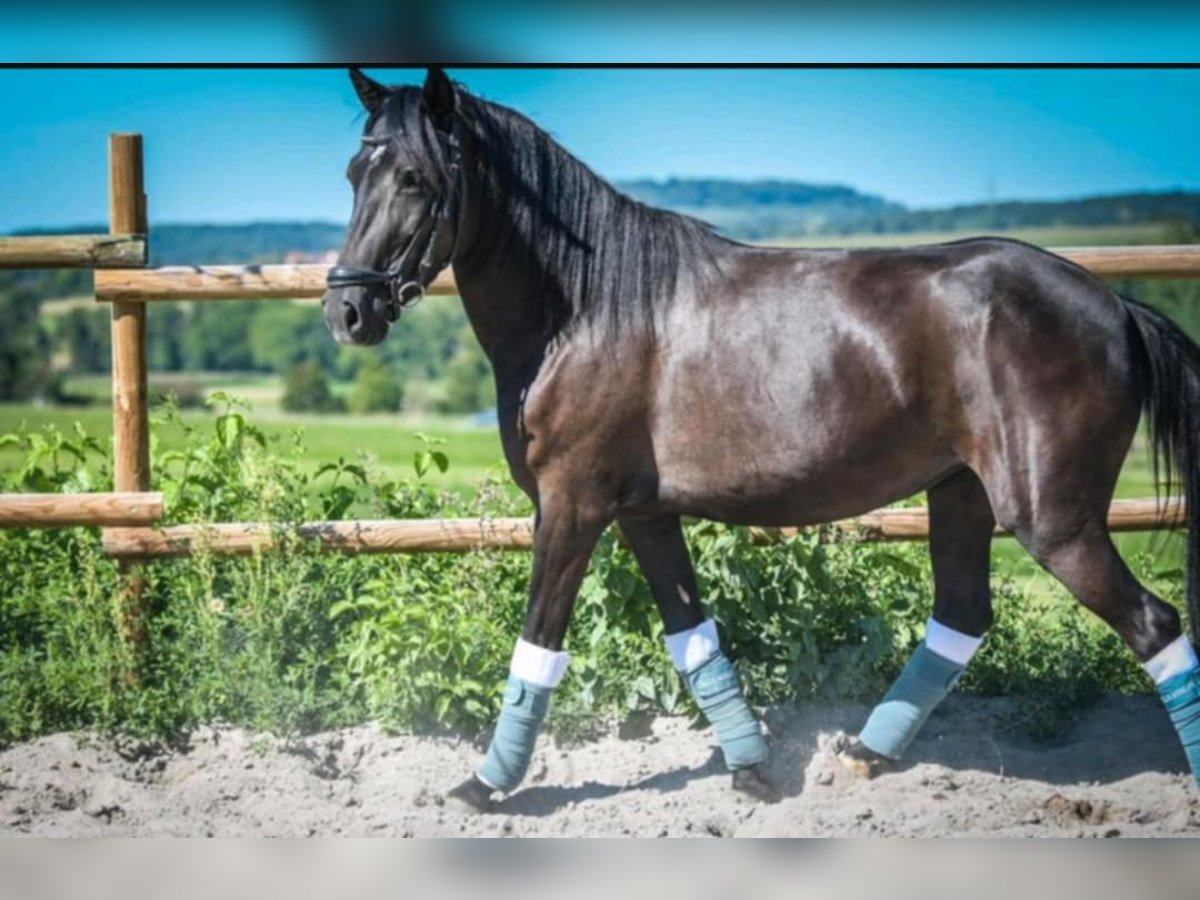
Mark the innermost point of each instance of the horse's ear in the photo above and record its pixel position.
(441, 98)
(370, 92)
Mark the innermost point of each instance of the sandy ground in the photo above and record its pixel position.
(1119, 773)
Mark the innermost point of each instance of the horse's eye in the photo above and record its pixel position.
(408, 179)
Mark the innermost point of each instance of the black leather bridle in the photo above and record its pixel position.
(405, 287)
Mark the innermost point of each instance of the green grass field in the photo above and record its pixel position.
(474, 452)
(260, 389)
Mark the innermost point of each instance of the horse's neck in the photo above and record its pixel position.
(503, 301)
(504, 309)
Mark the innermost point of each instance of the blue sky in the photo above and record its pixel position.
(235, 145)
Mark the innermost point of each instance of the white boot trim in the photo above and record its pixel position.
(537, 665)
(690, 648)
(950, 644)
(1174, 659)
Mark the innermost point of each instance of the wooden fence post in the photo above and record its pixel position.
(131, 428)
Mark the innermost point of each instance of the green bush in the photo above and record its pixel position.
(25, 347)
(306, 389)
(468, 385)
(375, 389)
(296, 640)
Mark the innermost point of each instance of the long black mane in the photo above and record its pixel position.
(596, 257)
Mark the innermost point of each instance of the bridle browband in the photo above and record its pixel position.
(405, 291)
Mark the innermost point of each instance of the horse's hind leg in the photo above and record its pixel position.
(1084, 559)
(695, 649)
(1088, 564)
(1058, 509)
(1060, 516)
(960, 537)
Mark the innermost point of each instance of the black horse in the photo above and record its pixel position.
(647, 369)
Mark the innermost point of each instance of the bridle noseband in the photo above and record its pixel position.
(404, 291)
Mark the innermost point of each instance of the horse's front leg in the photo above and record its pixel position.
(695, 649)
(564, 539)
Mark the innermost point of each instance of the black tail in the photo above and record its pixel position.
(1172, 410)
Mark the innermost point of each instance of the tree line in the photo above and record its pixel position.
(431, 361)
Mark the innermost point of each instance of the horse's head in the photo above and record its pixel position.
(406, 179)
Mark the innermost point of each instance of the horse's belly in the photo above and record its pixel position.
(802, 498)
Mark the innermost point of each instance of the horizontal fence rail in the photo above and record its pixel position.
(912, 523)
(73, 251)
(270, 282)
(467, 535)
(1158, 261)
(371, 536)
(58, 510)
(302, 281)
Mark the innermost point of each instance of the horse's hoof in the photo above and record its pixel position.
(752, 782)
(474, 795)
(862, 761)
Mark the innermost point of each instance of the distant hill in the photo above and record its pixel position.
(759, 210)
(749, 210)
(253, 242)
(1172, 207)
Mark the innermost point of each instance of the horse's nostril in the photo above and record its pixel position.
(351, 315)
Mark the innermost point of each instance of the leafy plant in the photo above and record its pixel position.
(427, 456)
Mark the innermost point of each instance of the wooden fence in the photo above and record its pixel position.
(466, 535)
(128, 514)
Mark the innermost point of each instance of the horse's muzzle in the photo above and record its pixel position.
(357, 315)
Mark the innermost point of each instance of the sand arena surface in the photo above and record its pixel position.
(1120, 772)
